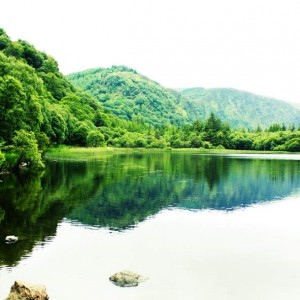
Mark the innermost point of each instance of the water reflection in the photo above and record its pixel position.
(118, 191)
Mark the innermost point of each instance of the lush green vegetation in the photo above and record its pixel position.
(39, 107)
(132, 96)
(241, 109)
(213, 133)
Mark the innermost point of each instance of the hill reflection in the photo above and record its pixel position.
(119, 191)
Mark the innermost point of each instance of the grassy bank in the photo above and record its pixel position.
(81, 153)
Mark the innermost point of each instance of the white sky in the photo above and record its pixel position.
(252, 45)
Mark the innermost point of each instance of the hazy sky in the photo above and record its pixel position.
(252, 45)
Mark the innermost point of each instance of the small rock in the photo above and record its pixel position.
(11, 239)
(23, 164)
(27, 291)
(127, 279)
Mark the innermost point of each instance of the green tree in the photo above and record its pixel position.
(80, 133)
(14, 49)
(12, 106)
(95, 139)
(43, 141)
(26, 146)
(211, 128)
(196, 140)
(4, 40)
(32, 56)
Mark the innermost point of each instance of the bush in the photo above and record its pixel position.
(11, 160)
(292, 145)
(207, 145)
(26, 147)
(42, 140)
(95, 139)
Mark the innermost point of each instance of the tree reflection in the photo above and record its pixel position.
(119, 191)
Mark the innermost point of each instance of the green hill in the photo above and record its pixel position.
(132, 96)
(241, 109)
(37, 98)
(39, 107)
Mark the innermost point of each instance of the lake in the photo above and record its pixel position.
(211, 227)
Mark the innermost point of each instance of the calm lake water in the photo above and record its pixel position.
(211, 227)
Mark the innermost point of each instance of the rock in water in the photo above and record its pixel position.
(11, 239)
(127, 279)
(27, 291)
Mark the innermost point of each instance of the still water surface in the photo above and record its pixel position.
(198, 226)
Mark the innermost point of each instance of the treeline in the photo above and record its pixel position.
(210, 134)
(39, 108)
(213, 133)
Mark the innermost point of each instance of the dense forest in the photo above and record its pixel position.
(241, 109)
(131, 96)
(40, 107)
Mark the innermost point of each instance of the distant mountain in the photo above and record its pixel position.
(241, 109)
(132, 96)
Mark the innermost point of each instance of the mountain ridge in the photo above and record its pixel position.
(133, 96)
(242, 108)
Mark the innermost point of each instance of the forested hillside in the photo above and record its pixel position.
(40, 107)
(131, 96)
(241, 109)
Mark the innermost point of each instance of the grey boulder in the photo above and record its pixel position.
(127, 279)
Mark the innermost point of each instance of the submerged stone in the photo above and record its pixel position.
(27, 291)
(127, 279)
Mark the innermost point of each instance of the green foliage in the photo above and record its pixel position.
(43, 141)
(11, 161)
(292, 145)
(26, 147)
(241, 109)
(12, 106)
(131, 96)
(36, 98)
(2, 159)
(95, 139)
(32, 56)
(241, 140)
(212, 129)
(4, 40)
